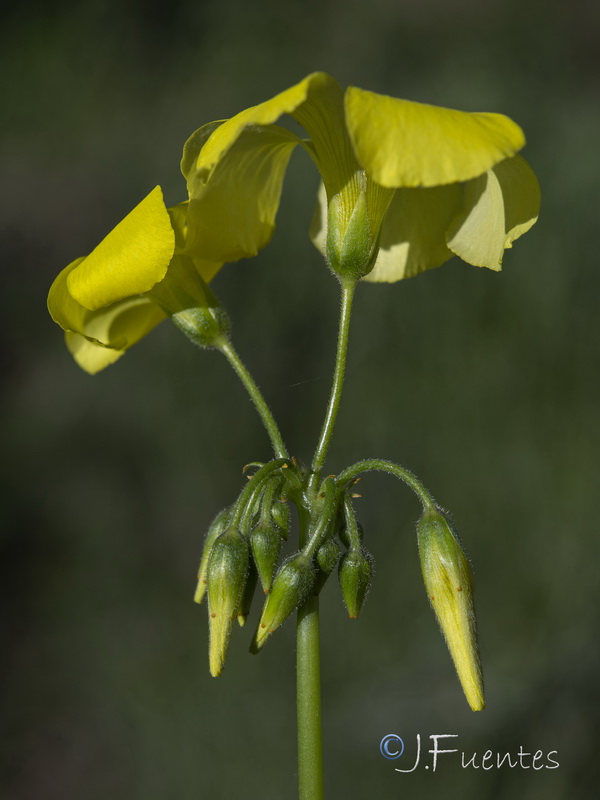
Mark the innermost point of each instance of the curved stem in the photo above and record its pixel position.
(338, 383)
(381, 465)
(243, 505)
(256, 396)
(308, 691)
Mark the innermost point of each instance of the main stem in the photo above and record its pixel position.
(256, 396)
(308, 691)
(338, 384)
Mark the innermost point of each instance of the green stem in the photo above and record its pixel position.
(345, 478)
(338, 383)
(256, 396)
(308, 691)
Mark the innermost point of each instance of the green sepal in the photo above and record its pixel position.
(206, 324)
(291, 587)
(355, 574)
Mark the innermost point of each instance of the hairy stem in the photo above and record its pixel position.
(308, 691)
(338, 384)
(256, 396)
(345, 478)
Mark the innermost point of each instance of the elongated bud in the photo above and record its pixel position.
(282, 518)
(291, 587)
(449, 585)
(217, 526)
(327, 557)
(266, 541)
(355, 573)
(227, 573)
(249, 590)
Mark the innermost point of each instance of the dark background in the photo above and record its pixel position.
(486, 385)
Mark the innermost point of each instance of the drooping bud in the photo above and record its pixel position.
(226, 576)
(249, 590)
(281, 517)
(449, 584)
(291, 587)
(217, 526)
(327, 557)
(355, 573)
(266, 541)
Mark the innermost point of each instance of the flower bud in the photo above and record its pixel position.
(327, 557)
(290, 589)
(217, 526)
(282, 518)
(355, 573)
(266, 541)
(449, 584)
(226, 576)
(248, 595)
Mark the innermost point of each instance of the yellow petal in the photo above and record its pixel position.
(413, 236)
(231, 215)
(498, 207)
(235, 169)
(130, 260)
(403, 143)
(114, 328)
(318, 90)
(89, 356)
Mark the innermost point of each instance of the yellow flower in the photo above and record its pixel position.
(136, 277)
(405, 185)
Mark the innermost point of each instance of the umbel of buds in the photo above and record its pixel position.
(449, 585)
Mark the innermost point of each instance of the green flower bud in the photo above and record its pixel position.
(449, 584)
(226, 576)
(217, 526)
(266, 541)
(249, 590)
(328, 555)
(291, 587)
(355, 573)
(282, 518)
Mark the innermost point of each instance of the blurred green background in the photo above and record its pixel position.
(486, 385)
